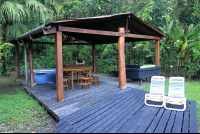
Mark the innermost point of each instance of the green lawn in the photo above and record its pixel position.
(192, 90)
(20, 111)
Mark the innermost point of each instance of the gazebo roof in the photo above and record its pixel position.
(87, 29)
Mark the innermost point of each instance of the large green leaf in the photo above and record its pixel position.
(175, 35)
(196, 55)
(185, 43)
(180, 34)
(190, 27)
(170, 26)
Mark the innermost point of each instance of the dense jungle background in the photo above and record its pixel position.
(178, 19)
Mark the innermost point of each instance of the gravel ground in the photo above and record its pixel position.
(115, 80)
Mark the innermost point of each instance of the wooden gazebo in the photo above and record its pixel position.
(115, 28)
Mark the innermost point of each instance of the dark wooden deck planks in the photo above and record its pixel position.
(115, 110)
(114, 120)
(178, 122)
(101, 104)
(109, 116)
(102, 107)
(100, 114)
(123, 118)
(63, 126)
(170, 122)
(49, 100)
(146, 123)
(144, 119)
(66, 129)
(155, 121)
(132, 115)
(98, 105)
(86, 102)
(185, 128)
(163, 121)
(193, 117)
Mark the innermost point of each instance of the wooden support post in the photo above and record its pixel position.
(121, 60)
(59, 66)
(157, 57)
(17, 60)
(25, 61)
(31, 63)
(93, 53)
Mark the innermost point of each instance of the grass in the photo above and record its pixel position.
(7, 82)
(191, 93)
(20, 111)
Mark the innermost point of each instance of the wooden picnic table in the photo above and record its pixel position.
(73, 69)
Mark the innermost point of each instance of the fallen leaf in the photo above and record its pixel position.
(152, 110)
(167, 118)
(66, 127)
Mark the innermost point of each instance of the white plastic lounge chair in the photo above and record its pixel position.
(157, 89)
(176, 93)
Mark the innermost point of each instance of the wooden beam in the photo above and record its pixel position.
(127, 23)
(143, 37)
(59, 66)
(17, 60)
(25, 60)
(107, 33)
(88, 31)
(22, 40)
(31, 63)
(31, 37)
(75, 44)
(157, 49)
(121, 60)
(93, 53)
(63, 43)
(51, 30)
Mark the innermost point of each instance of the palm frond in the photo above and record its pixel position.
(41, 10)
(12, 12)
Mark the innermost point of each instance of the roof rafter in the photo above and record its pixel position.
(107, 33)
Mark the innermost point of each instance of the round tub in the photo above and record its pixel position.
(43, 75)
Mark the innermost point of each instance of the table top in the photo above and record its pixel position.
(76, 68)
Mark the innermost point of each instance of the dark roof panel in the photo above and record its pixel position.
(105, 23)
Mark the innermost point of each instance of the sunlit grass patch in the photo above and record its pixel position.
(21, 110)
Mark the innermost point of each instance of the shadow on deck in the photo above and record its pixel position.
(108, 109)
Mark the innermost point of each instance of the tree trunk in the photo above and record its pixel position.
(3, 51)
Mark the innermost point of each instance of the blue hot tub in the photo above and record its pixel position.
(43, 75)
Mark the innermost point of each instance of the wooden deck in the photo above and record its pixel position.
(125, 112)
(108, 109)
(74, 99)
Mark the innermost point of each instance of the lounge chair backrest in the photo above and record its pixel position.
(176, 87)
(157, 85)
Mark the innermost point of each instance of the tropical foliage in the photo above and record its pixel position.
(180, 49)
